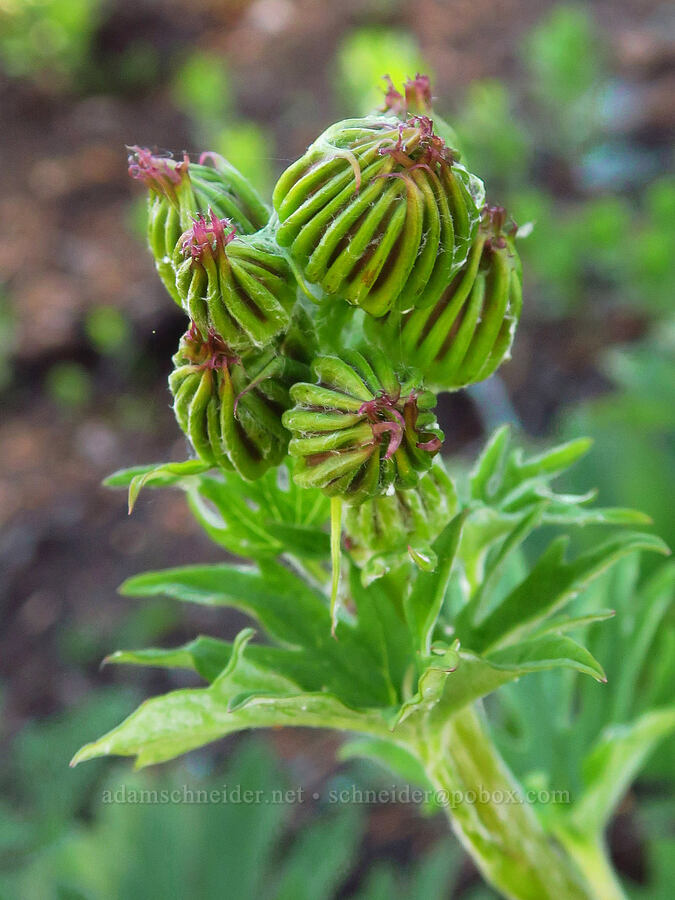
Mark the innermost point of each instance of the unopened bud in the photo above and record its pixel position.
(360, 431)
(240, 286)
(468, 333)
(384, 527)
(178, 191)
(378, 212)
(230, 408)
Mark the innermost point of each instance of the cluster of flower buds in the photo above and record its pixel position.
(179, 191)
(378, 215)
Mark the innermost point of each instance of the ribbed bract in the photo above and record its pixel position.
(360, 430)
(468, 332)
(379, 213)
(179, 191)
(241, 287)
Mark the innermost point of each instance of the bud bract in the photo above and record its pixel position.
(417, 99)
(468, 332)
(240, 286)
(379, 213)
(361, 430)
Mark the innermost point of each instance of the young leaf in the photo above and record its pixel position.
(290, 612)
(613, 763)
(549, 585)
(205, 655)
(163, 474)
(168, 726)
(548, 652)
(486, 473)
(380, 627)
(560, 624)
(423, 604)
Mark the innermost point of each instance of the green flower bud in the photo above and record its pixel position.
(180, 190)
(195, 385)
(240, 286)
(360, 430)
(230, 408)
(386, 529)
(379, 213)
(468, 333)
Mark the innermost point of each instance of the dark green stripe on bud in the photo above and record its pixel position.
(360, 430)
(379, 213)
(468, 333)
(240, 286)
(178, 191)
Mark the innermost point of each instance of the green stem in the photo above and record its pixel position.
(491, 816)
(335, 555)
(590, 855)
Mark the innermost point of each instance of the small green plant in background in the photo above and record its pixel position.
(47, 37)
(7, 327)
(391, 597)
(364, 54)
(202, 89)
(590, 248)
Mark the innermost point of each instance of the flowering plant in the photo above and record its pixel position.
(390, 598)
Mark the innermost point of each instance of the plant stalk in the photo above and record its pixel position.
(590, 855)
(490, 815)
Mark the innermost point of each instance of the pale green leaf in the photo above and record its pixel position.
(551, 651)
(423, 604)
(158, 474)
(205, 655)
(168, 726)
(289, 611)
(486, 473)
(614, 762)
(548, 586)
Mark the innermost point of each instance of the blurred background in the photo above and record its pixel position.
(567, 112)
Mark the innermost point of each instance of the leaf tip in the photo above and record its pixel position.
(82, 755)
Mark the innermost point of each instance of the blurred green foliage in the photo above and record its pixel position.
(551, 159)
(108, 330)
(202, 89)
(69, 385)
(565, 58)
(634, 430)
(188, 831)
(7, 328)
(364, 56)
(50, 38)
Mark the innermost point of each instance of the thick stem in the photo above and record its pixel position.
(491, 816)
